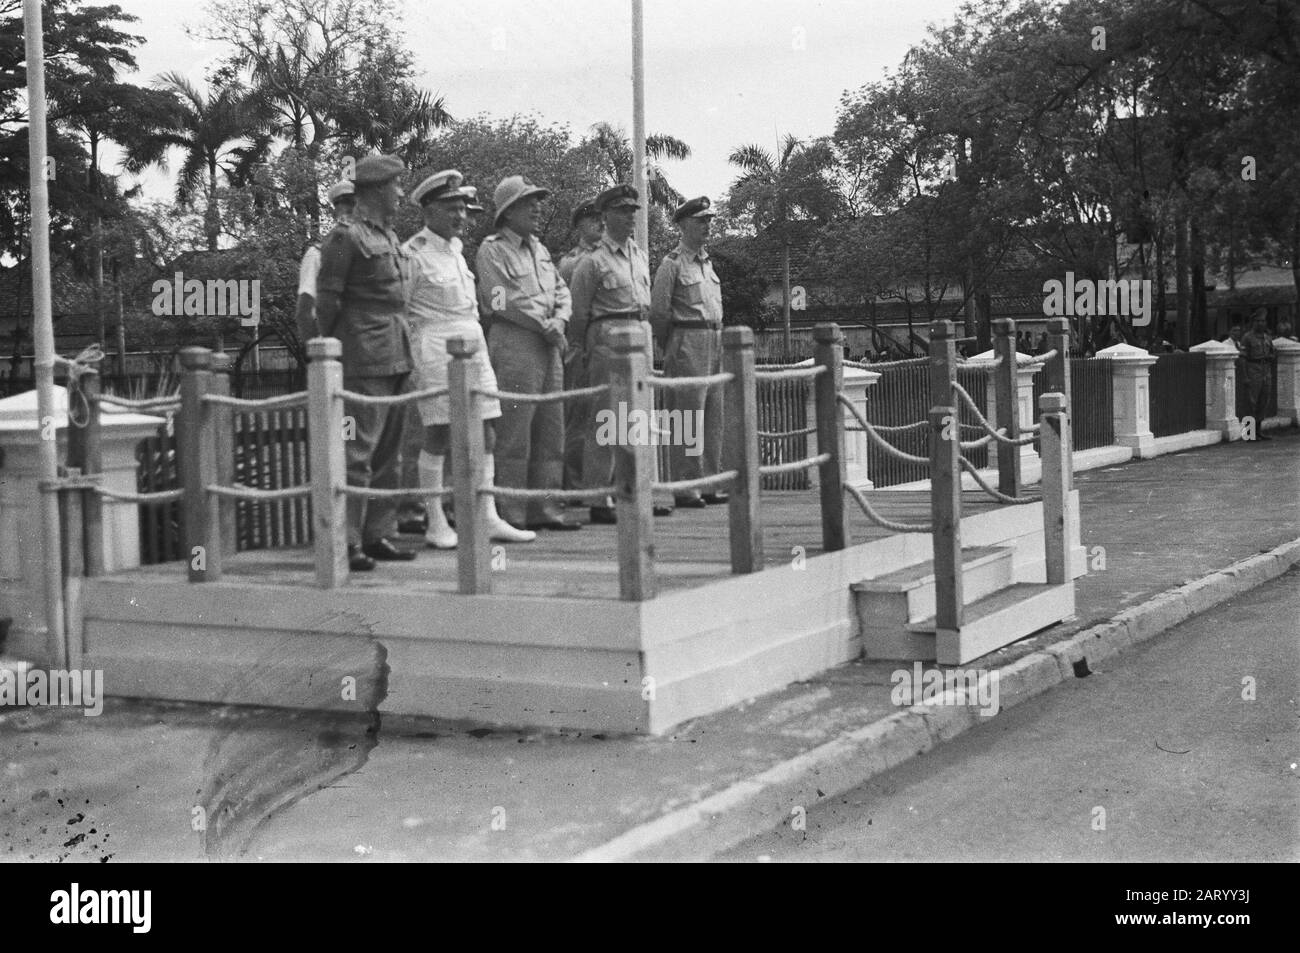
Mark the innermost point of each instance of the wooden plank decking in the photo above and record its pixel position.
(691, 549)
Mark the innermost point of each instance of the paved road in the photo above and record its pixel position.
(1162, 740)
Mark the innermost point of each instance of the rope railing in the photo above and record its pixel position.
(997, 433)
(791, 374)
(775, 469)
(864, 366)
(1046, 356)
(879, 520)
(383, 493)
(160, 496)
(770, 435)
(725, 478)
(239, 491)
(876, 438)
(554, 397)
(682, 383)
(568, 496)
(996, 494)
(280, 402)
(375, 400)
(172, 402)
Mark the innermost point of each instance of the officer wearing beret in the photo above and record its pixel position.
(686, 313)
(526, 306)
(588, 224)
(611, 288)
(343, 200)
(443, 305)
(361, 300)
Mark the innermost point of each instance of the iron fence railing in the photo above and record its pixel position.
(271, 453)
(1092, 402)
(1176, 397)
(902, 396)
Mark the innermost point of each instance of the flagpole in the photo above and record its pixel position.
(43, 331)
(638, 126)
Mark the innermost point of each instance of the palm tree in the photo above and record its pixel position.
(226, 130)
(615, 150)
(777, 189)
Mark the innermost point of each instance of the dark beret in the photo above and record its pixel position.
(372, 170)
(585, 209)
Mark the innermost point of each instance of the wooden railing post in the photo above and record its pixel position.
(1057, 371)
(473, 549)
(1057, 476)
(85, 452)
(1006, 398)
(329, 507)
(196, 451)
(631, 399)
(224, 423)
(740, 449)
(945, 478)
(828, 352)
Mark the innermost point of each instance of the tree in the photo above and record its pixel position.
(776, 190)
(222, 130)
(615, 150)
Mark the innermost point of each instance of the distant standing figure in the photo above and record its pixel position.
(342, 197)
(1257, 354)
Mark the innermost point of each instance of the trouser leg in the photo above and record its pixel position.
(576, 414)
(597, 459)
(513, 361)
(546, 445)
(373, 442)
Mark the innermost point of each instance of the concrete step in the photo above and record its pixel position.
(907, 594)
(998, 619)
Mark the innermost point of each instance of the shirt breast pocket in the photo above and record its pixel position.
(692, 290)
(522, 277)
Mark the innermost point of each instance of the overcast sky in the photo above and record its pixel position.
(718, 74)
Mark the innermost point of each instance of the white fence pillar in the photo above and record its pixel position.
(1221, 388)
(1288, 379)
(1132, 397)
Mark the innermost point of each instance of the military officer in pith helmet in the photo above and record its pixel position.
(361, 300)
(686, 313)
(526, 306)
(611, 289)
(443, 305)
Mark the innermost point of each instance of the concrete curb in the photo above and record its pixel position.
(756, 804)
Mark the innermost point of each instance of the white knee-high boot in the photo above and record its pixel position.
(499, 529)
(439, 535)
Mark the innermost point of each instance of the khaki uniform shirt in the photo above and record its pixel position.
(686, 288)
(361, 298)
(442, 287)
(613, 279)
(1256, 347)
(569, 263)
(517, 282)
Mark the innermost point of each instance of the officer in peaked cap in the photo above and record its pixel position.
(361, 300)
(611, 290)
(589, 226)
(442, 305)
(686, 313)
(526, 306)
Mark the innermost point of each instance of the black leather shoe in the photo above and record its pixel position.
(413, 527)
(382, 550)
(557, 523)
(662, 509)
(690, 502)
(359, 561)
(713, 499)
(603, 514)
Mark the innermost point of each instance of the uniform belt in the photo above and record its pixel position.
(621, 316)
(696, 325)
